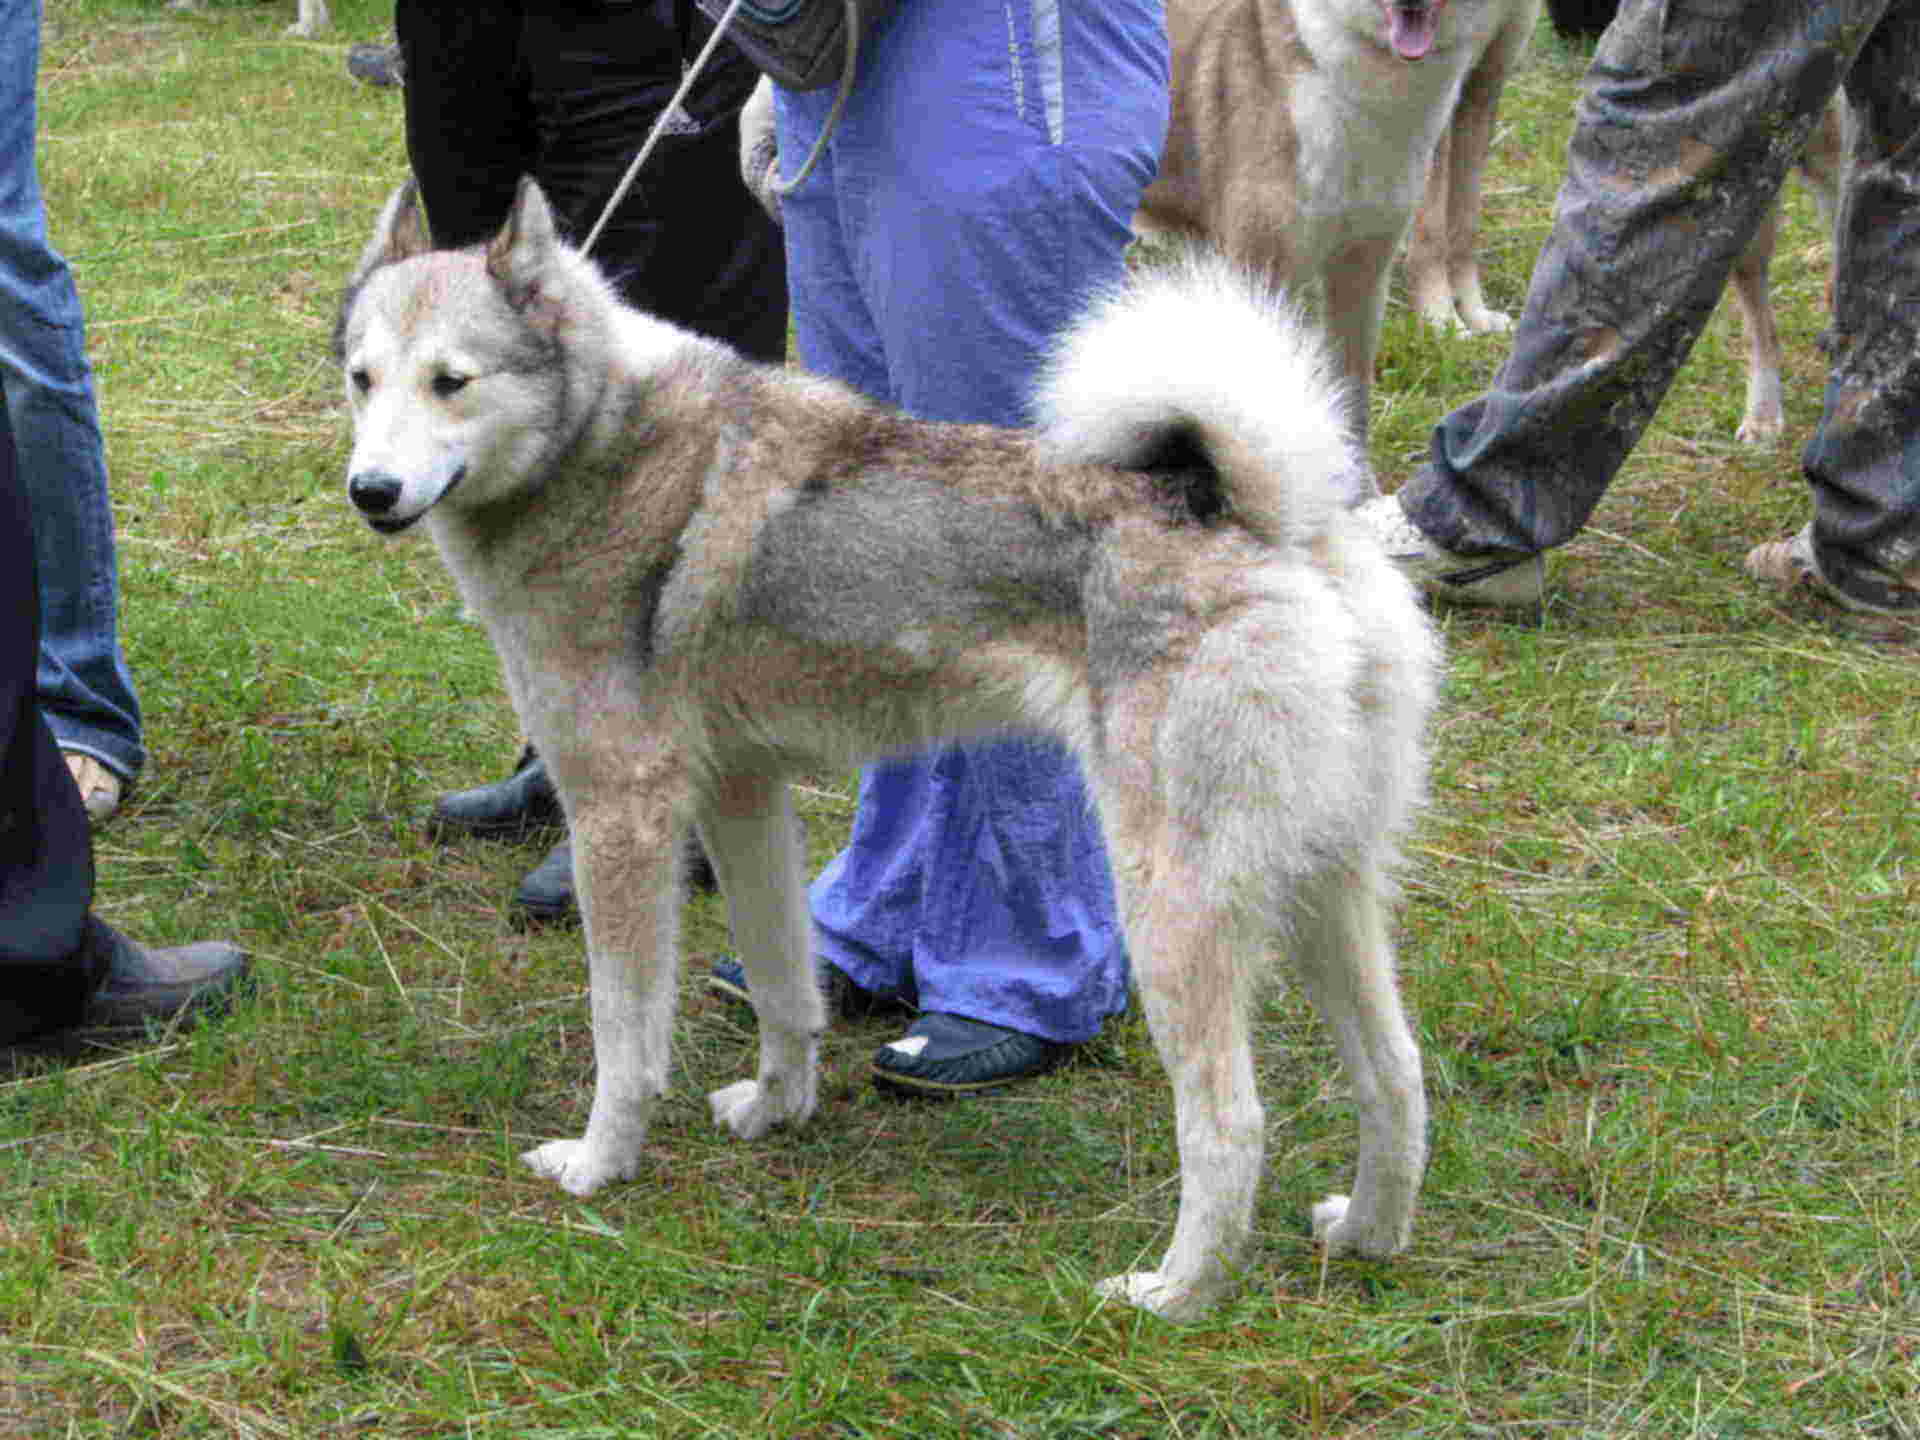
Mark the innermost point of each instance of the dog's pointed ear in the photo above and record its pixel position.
(519, 255)
(399, 234)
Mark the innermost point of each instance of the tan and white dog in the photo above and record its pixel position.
(1306, 133)
(703, 576)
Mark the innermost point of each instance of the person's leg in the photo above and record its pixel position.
(497, 91)
(86, 692)
(1863, 462)
(864, 925)
(688, 243)
(1691, 118)
(470, 126)
(981, 187)
(46, 855)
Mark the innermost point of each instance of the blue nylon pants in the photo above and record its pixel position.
(980, 184)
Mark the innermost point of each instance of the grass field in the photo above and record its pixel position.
(1660, 942)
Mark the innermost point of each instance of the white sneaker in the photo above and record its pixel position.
(1457, 579)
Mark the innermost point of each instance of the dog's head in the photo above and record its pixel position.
(455, 371)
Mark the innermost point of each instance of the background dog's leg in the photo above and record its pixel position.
(1822, 164)
(1429, 283)
(754, 840)
(1765, 417)
(314, 17)
(1185, 962)
(1471, 132)
(1346, 963)
(627, 866)
(1356, 294)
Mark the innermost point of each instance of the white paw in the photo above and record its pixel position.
(579, 1168)
(1489, 322)
(1760, 431)
(1149, 1290)
(1346, 1233)
(1328, 1229)
(750, 1110)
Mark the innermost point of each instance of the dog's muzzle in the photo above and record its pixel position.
(375, 493)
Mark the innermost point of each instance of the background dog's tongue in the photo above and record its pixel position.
(1411, 31)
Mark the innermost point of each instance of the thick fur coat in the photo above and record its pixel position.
(703, 576)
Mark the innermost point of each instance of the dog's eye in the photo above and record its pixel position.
(362, 381)
(445, 385)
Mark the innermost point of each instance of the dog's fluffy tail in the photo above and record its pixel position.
(1194, 351)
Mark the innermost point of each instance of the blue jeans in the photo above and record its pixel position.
(979, 186)
(86, 692)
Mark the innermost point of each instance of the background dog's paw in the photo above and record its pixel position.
(1345, 1233)
(750, 1109)
(576, 1167)
(1328, 1226)
(1150, 1290)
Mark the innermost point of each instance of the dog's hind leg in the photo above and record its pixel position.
(1185, 964)
(1345, 961)
(627, 871)
(754, 840)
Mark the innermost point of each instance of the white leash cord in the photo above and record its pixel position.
(780, 187)
(659, 126)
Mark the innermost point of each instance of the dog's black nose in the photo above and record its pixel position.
(374, 493)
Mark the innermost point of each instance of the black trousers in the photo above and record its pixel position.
(566, 91)
(49, 963)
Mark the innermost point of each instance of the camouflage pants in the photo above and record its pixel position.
(1694, 112)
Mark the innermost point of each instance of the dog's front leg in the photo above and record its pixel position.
(627, 872)
(754, 840)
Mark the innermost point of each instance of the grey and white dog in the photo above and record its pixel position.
(704, 575)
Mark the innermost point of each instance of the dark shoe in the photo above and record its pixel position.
(1513, 582)
(950, 1055)
(545, 896)
(375, 64)
(145, 985)
(509, 809)
(1792, 564)
(845, 1000)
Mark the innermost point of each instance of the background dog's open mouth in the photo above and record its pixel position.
(1410, 29)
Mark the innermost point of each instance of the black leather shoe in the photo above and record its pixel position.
(376, 64)
(946, 1055)
(510, 809)
(160, 986)
(545, 896)
(845, 1000)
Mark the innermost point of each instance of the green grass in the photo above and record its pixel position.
(1660, 941)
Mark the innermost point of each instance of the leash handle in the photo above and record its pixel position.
(784, 188)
